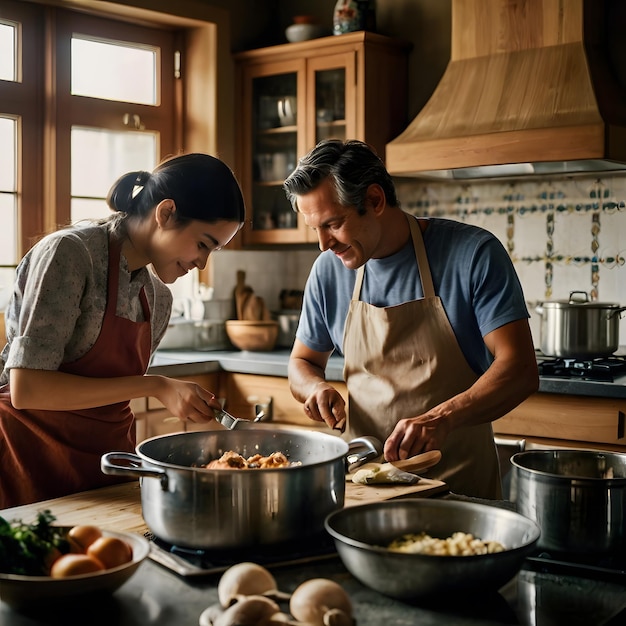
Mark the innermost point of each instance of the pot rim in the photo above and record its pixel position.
(580, 303)
(272, 428)
(566, 304)
(516, 461)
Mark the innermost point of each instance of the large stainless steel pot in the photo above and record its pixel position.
(572, 497)
(578, 327)
(187, 505)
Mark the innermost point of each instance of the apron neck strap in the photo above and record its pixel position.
(422, 262)
(420, 254)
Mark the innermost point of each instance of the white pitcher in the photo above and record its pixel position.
(287, 110)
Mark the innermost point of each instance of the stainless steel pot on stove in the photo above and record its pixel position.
(578, 327)
(578, 498)
(188, 505)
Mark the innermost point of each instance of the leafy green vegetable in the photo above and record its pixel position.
(26, 548)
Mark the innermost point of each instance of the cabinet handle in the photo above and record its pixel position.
(263, 408)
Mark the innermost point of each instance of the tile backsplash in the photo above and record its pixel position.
(563, 235)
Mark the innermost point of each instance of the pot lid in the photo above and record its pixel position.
(579, 299)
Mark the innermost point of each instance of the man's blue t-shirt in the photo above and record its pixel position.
(472, 274)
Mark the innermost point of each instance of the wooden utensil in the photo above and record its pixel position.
(253, 308)
(414, 464)
(418, 463)
(238, 291)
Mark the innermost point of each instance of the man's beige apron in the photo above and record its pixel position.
(400, 361)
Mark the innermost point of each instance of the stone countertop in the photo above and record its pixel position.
(155, 596)
(189, 362)
(181, 362)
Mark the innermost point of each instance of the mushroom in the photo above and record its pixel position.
(247, 579)
(248, 611)
(321, 602)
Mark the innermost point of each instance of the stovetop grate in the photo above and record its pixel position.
(603, 369)
(198, 562)
(611, 568)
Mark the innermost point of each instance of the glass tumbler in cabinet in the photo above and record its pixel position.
(274, 149)
(330, 104)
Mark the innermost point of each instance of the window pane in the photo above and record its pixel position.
(8, 191)
(7, 278)
(99, 157)
(7, 51)
(114, 71)
(8, 229)
(8, 154)
(84, 209)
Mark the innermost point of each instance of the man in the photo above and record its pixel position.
(428, 313)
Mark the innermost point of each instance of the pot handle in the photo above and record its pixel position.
(110, 464)
(573, 300)
(361, 450)
(618, 311)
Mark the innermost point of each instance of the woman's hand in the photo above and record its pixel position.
(187, 400)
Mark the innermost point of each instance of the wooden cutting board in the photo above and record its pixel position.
(363, 494)
(119, 507)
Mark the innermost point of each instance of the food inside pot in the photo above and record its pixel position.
(458, 544)
(234, 460)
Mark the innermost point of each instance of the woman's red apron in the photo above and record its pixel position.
(47, 454)
(401, 361)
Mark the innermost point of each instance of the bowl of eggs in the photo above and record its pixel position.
(84, 561)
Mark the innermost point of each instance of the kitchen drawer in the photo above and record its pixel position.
(237, 388)
(565, 417)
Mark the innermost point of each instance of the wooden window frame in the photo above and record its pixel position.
(208, 90)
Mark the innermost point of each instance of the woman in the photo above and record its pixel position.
(85, 316)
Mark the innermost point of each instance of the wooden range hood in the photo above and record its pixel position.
(530, 89)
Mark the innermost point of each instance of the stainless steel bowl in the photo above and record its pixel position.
(362, 532)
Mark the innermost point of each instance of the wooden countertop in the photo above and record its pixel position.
(119, 507)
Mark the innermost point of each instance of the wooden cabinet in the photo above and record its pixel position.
(291, 96)
(153, 419)
(240, 391)
(555, 420)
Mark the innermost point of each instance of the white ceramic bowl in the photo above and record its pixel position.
(20, 591)
(303, 32)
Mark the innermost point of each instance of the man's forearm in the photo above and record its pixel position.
(304, 376)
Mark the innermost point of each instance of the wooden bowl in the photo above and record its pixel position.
(256, 336)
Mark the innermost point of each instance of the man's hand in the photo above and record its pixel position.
(325, 404)
(414, 435)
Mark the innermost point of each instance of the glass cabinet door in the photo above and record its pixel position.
(330, 104)
(290, 97)
(274, 146)
(332, 81)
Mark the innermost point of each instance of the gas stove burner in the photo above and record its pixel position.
(197, 562)
(599, 369)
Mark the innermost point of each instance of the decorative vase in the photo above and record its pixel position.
(350, 16)
(304, 27)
